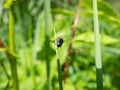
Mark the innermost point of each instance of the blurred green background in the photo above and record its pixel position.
(29, 27)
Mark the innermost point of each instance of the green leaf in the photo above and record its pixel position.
(88, 37)
(8, 4)
(63, 11)
(102, 6)
(2, 49)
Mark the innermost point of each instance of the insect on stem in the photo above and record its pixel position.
(58, 60)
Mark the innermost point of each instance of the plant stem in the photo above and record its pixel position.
(58, 64)
(71, 40)
(12, 49)
(36, 40)
(47, 41)
(97, 49)
(59, 74)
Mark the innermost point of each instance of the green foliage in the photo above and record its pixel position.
(105, 40)
(8, 4)
(81, 73)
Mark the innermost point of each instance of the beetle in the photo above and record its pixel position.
(60, 42)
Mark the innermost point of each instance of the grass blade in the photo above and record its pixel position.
(47, 41)
(97, 48)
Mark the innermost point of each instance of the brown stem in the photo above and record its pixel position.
(3, 46)
(71, 41)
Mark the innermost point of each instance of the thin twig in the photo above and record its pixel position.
(71, 41)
